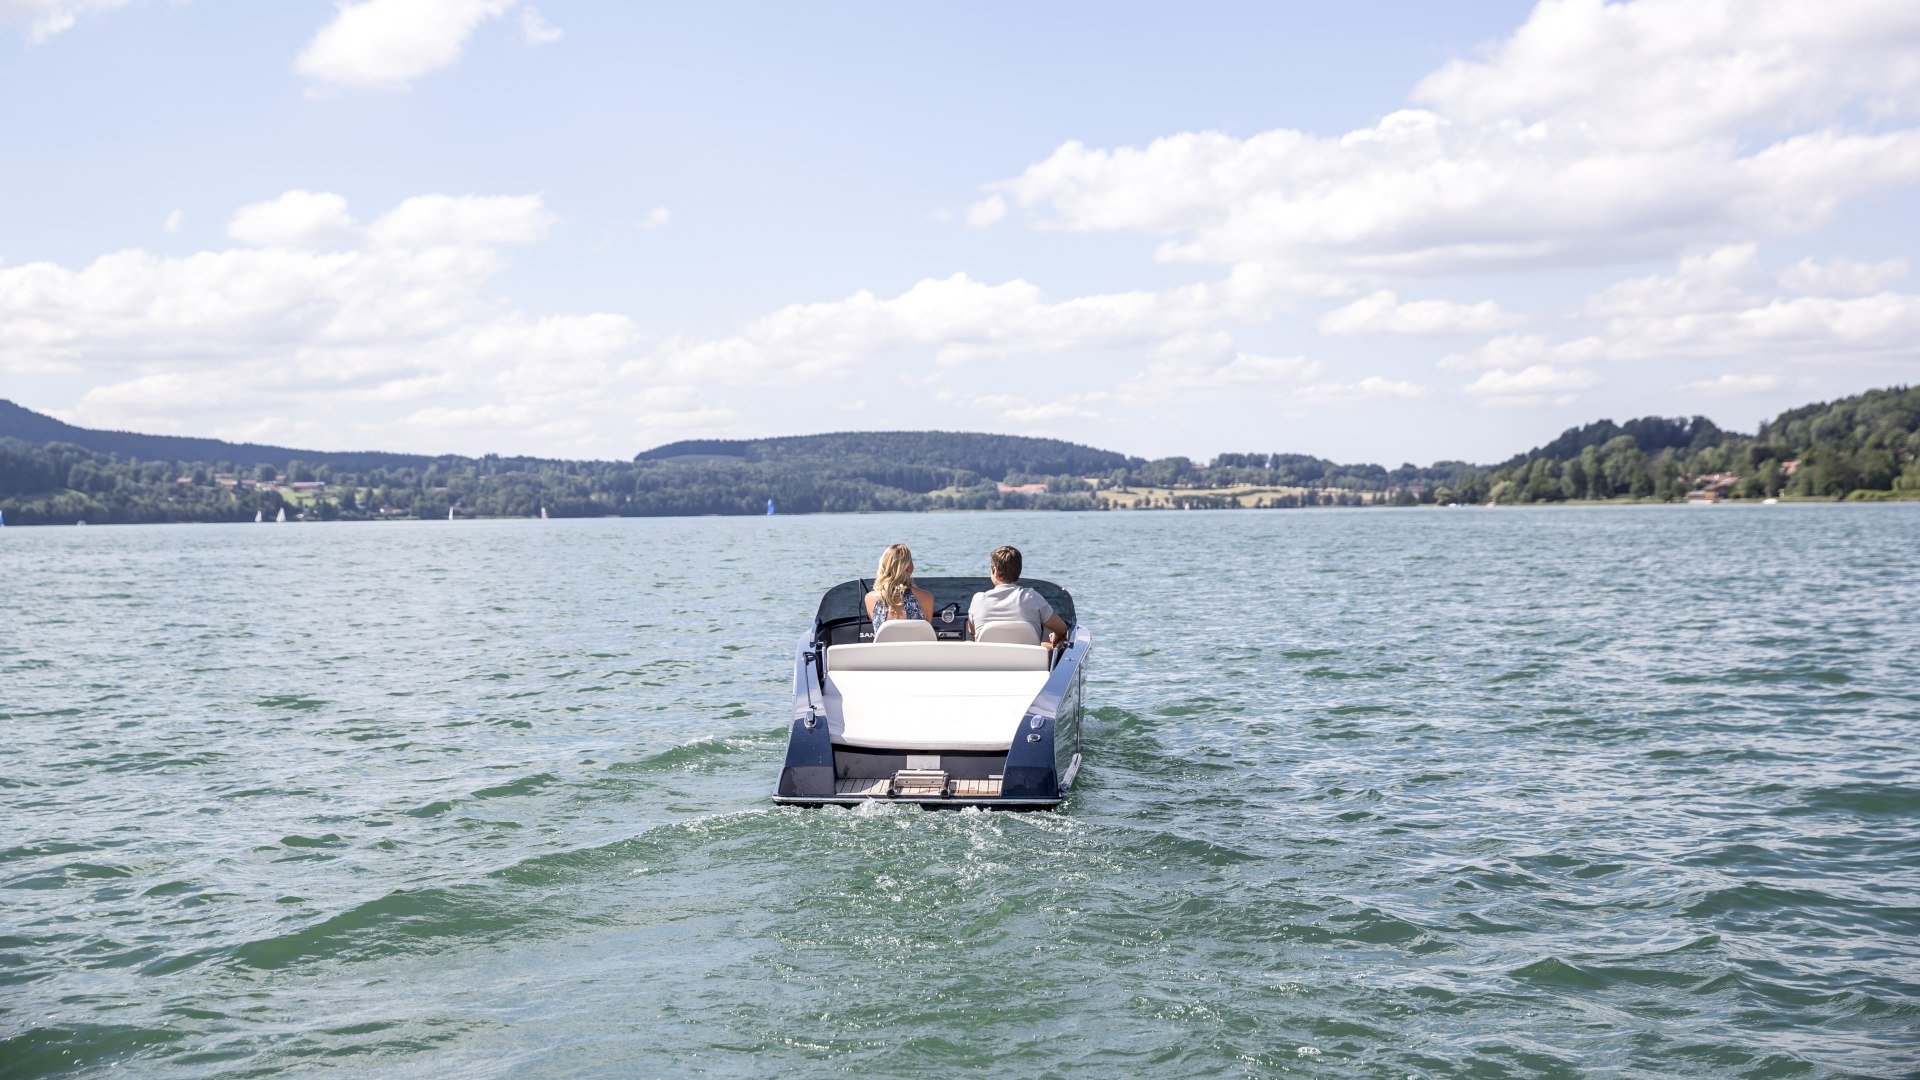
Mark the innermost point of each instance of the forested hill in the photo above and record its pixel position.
(1651, 434)
(32, 427)
(1866, 446)
(987, 455)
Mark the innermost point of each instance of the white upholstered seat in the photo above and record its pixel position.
(905, 630)
(931, 695)
(929, 711)
(1013, 633)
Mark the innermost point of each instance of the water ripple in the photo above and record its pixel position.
(1367, 794)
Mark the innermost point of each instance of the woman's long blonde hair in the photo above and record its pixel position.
(895, 574)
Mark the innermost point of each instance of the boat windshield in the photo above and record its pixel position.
(843, 605)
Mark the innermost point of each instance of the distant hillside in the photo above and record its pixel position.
(993, 456)
(1866, 446)
(1862, 447)
(1651, 434)
(32, 427)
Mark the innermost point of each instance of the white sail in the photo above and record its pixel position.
(282, 515)
(259, 516)
(449, 513)
(543, 513)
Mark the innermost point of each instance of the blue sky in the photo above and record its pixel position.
(1374, 232)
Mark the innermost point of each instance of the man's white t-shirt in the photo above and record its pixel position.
(1010, 603)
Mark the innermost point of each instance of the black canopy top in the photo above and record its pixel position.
(845, 600)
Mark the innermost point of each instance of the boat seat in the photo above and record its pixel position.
(1009, 631)
(935, 656)
(931, 695)
(905, 630)
(929, 711)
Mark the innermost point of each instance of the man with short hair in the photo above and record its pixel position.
(1009, 601)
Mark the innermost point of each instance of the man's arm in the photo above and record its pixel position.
(1057, 627)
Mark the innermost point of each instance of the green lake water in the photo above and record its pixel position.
(1425, 793)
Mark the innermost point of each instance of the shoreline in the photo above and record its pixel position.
(1564, 503)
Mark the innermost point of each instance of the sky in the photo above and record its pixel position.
(1372, 232)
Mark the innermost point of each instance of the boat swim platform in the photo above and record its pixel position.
(881, 787)
(931, 789)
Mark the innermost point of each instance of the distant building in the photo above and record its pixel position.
(1712, 487)
(1025, 489)
(1788, 468)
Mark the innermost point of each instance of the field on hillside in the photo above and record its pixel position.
(1248, 496)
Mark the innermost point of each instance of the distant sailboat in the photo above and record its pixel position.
(259, 516)
(282, 515)
(449, 513)
(769, 507)
(543, 513)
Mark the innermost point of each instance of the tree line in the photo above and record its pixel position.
(1862, 447)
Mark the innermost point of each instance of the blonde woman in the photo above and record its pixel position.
(894, 594)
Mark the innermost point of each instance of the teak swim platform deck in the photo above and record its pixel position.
(924, 716)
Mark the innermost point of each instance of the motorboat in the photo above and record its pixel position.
(916, 713)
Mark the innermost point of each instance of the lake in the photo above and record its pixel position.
(1427, 793)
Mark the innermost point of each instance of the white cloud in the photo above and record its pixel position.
(1841, 276)
(325, 317)
(1031, 416)
(1597, 132)
(668, 425)
(1531, 387)
(1885, 325)
(1728, 275)
(45, 18)
(174, 221)
(386, 44)
(312, 313)
(656, 218)
(273, 430)
(1520, 350)
(132, 307)
(986, 211)
(463, 221)
(1371, 388)
(534, 28)
(295, 219)
(1680, 71)
(1528, 401)
(1725, 305)
(1731, 385)
(1192, 367)
(1382, 314)
(955, 320)
(1540, 378)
